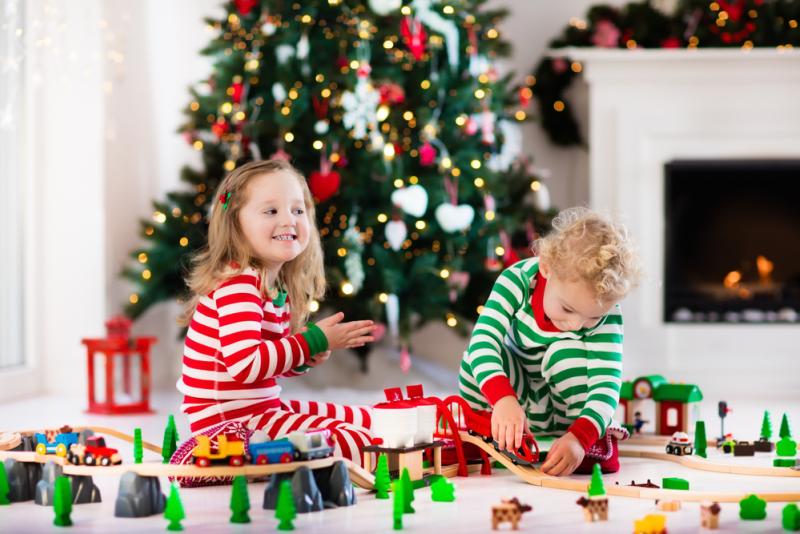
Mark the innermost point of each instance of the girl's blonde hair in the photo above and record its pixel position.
(587, 246)
(228, 253)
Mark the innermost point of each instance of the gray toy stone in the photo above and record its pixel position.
(138, 496)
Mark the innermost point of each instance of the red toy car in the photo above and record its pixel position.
(94, 452)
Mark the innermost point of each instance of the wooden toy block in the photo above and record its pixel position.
(650, 524)
(594, 509)
(668, 506)
(509, 511)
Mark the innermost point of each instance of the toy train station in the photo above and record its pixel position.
(676, 405)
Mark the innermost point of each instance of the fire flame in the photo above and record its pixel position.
(732, 279)
(764, 267)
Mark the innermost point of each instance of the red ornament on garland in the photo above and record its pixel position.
(244, 7)
(671, 42)
(414, 35)
(325, 182)
(220, 128)
(427, 154)
(237, 89)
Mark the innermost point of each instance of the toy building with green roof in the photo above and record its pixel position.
(677, 405)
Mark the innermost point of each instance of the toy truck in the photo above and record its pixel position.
(94, 452)
(679, 444)
(59, 445)
(230, 452)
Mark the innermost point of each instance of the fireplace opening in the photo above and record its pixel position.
(732, 241)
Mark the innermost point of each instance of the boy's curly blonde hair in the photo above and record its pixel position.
(588, 246)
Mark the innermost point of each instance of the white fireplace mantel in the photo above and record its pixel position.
(648, 107)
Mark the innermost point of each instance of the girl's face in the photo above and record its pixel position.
(571, 305)
(274, 219)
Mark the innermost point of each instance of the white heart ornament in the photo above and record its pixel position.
(454, 218)
(412, 200)
(396, 233)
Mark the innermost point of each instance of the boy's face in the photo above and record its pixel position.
(571, 305)
(274, 219)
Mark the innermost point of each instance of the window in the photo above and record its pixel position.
(11, 184)
(672, 417)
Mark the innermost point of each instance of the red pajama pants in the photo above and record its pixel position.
(349, 424)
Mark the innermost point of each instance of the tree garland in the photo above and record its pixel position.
(656, 24)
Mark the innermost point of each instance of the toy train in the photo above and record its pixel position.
(66, 444)
(58, 445)
(296, 446)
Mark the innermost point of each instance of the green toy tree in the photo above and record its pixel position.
(383, 481)
(766, 426)
(62, 502)
(408, 136)
(240, 500)
(170, 442)
(700, 440)
(284, 509)
(752, 508)
(408, 492)
(596, 487)
(4, 486)
(138, 452)
(790, 518)
(397, 504)
(785, 431)
(442, 490)
(173, 511)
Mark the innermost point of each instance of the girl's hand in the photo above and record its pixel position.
(346, 335)
(319, 359)
(564, 456)
(508, 423)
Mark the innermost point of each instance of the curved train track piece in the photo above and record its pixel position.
(702, 464)
(534, 476)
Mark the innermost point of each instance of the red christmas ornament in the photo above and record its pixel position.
(391, 93)
(325, 182)
(244, 7)
(525, 95)
(363, 70)
(427, 154)
(671, 42)
(236, 92)
(220, 128)
(606, 34)
(414, 35)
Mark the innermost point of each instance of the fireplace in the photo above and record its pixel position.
(732, 241)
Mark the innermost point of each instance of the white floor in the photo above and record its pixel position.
(207, 508)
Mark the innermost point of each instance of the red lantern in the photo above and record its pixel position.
(119, 344)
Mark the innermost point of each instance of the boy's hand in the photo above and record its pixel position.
(346, 335)
(508, 423)
(564, 456)
(318, 359)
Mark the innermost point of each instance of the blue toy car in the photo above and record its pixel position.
(59, 446)
(272, 452)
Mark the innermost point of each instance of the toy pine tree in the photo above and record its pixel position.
(382, 479)
(443, 491)
(62, 502)
(790, 518)
(4, 487)
(596, 488)
(397, 504)
(138, 454)
(170, 442)
(700, 440)
(408, 492)
(785, 432)
(173, 511)
(396, 113)
(240, 500)
(766, 427)
(284, 509)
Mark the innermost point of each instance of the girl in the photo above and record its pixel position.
(546, 352)
(263, 256)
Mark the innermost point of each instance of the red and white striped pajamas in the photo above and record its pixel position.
(236, 346)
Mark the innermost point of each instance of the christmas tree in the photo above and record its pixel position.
(785, 431)
(397, 504)
(170, 441)
(173, 512)
(766, 427)
(138, 453)
(382, 479)
(596, 488)
(408, 136)
(284, 508)
(700, 441)
(62, 502)
(240, 500)
(442, 490)
(408, 492)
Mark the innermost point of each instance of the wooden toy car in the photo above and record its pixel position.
(230, 452)
(272, 452)
(312, 444)
(679, 444)
(94, 452)
(59, 445)
(744, 448)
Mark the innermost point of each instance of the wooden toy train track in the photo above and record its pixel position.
(534, 476)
